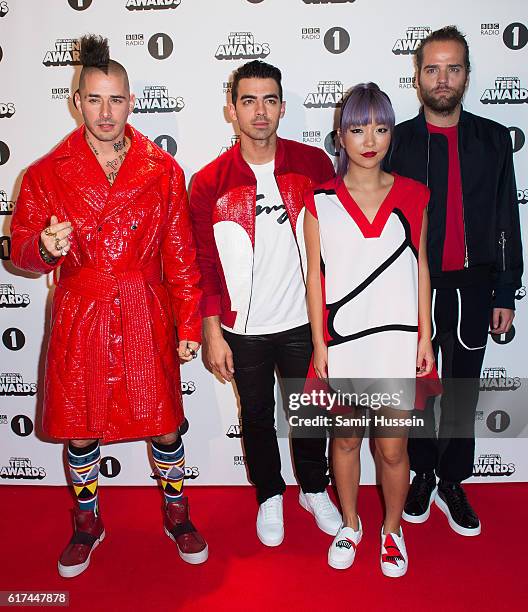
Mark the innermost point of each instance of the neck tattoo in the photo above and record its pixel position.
(92, 146)
(118, 146)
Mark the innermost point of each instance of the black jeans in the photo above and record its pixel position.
(255, 359)
(462, 318)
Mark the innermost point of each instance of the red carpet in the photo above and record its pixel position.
(137, 567)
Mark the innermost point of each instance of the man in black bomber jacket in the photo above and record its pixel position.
(475, 260)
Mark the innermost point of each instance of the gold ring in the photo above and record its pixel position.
(48, 232)
(57, 244)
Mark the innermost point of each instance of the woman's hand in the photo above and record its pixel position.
(320, 361)
(425, 357)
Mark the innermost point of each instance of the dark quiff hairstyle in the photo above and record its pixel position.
(95, 55)
(255, 70)
(446, 33)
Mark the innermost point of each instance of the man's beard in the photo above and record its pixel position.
(446, 104)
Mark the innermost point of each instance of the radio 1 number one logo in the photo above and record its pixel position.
(160, 46)
(337, 40)
(13, 339)
(515, 36)
(22, 425)
(79, 5)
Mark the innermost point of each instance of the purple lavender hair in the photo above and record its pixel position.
(362, 103)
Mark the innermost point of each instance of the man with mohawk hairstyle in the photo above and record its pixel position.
(110, 208)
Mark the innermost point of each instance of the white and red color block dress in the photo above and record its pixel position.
(369, 276)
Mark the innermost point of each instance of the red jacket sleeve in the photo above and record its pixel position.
(180, 269)
(201, 213)
(30, 217)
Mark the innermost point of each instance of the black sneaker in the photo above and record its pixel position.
(453, 502)
(419, 499)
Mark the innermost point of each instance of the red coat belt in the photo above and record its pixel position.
(138, 342)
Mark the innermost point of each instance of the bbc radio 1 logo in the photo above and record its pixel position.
(242, 45)
(407, 82)
(311, 33)
(507, 90)
(329, 94)
(234, 140)
(4, 8)
(134, 40)
(156, 99)
(336, 40)
(227, 86)
(522, 196)
(515, 35)
(520, 293)
(21, 468)
(239, 460)
(60, 93)
(9, 298)
(410, 43)
(188, 388)
(7, 110)
(6, 205)
(489, 29)
(151, 5)
(13, 384)
(65, 53)
(492, 465)
(311, 136)
(497, 379)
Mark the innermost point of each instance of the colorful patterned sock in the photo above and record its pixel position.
(84, 473)
(170, 463)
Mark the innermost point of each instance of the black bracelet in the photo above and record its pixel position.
(46, 257)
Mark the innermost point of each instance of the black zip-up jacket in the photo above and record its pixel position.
(490, 208)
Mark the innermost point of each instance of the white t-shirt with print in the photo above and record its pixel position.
(278, 295)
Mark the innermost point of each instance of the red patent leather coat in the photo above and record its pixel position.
(112, 369)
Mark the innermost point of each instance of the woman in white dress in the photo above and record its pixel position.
(368, 294)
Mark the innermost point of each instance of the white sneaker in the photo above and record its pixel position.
(342, 551)
(270, 522)
(323, 509)
(394, 561)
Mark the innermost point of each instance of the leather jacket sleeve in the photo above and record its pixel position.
(30, 217)
(180, 269)
(201, 213)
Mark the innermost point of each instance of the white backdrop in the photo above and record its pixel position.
(179, 55)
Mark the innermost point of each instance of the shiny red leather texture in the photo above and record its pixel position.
(127, 290)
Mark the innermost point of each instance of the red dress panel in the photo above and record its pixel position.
(130, 279)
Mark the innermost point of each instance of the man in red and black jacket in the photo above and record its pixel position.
(245, 209)
(475, 260)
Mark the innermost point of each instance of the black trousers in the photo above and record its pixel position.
(255, 359)
(461, 318)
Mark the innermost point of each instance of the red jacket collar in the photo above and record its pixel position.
(244, 169)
